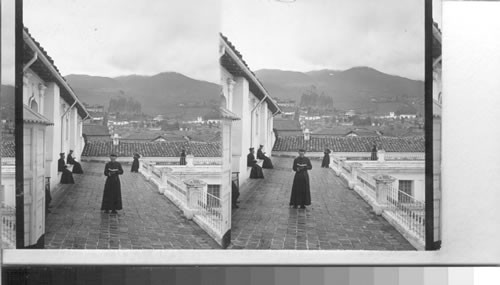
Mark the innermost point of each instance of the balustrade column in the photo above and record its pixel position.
(384, 185)
(340, 165)
(165, 172)
(189, 160)
(195, 189)
(381, 155)
(354, 174)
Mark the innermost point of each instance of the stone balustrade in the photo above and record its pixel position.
(378, 191)
(180, 185)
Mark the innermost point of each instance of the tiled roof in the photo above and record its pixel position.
(286, 125)
(32, 117)
(95, 130)
(8, 149)
(256, 87)
(350, 144)
(152, 149)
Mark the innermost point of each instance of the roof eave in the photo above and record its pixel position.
(232, 54)
(41, 56)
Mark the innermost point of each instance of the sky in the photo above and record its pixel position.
(7, 42)
(387, 35)
(123, 37)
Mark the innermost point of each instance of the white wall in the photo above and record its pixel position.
(9, 184)
(53, 133)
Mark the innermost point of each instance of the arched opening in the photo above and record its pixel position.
(34, 105)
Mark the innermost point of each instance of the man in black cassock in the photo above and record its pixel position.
(267, 161)
(183, 157)
(135, 163)
(326, 159)
(301, 194)
(256, 171)
(235, 193)
(112, 197)
(66, 176)
(374, 152)
(77, 167)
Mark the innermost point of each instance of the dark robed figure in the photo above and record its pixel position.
(256, 171)
(301, 194)
(267, 161)
(66, 176)
(112, 198)
(235, 194)
(183, 157)
(77, 167)
(326, 159)
(135, 163)
(374, 153)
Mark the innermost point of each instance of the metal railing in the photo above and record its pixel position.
(209, 209)
(8, 226)
(409, 212)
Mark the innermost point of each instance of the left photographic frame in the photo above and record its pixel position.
(120, 128)
(8, 116)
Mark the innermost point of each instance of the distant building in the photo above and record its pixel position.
(159, 118)
(345, 132)
(408, 116)
(286, 103)
(151, 151)
(287, 127)
(350, 113)
(95, 109)
(95, 132)
(352, 147)
(152, 137)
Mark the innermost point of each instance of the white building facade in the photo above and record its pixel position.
(53, 122)
(248, 99)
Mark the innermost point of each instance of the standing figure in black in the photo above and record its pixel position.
(135, 163)
(112, 198)
(77, 167)
(235, 194)
(183, 157)
(268, 164)
(256, 171)
(66, 176)
(301, 193)
(326, 159)
(374, 152)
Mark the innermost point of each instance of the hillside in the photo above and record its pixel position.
(158, 94)
(361, 88)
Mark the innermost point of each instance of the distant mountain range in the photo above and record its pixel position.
(158, 94)
(355, 88)
(7, 105)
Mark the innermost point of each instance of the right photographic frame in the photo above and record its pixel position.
(336, 131)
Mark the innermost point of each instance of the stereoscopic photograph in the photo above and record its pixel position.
(234, 124)
(122, 124)
(330, 147)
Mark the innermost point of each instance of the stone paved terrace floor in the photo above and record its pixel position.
(148, 219)
(337, 219)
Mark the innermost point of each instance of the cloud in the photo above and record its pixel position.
(117, 37)
(316, 34)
